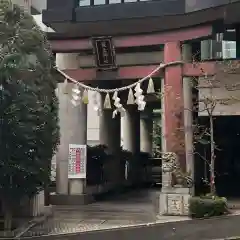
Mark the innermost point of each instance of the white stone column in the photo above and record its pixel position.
(78, 135)
(188, 113)
(146, 131)
(109, 130)
(206, 49)
(62, 153)
(130, 129)
(73, 129)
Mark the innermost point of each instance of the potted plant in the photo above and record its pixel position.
(207, 206)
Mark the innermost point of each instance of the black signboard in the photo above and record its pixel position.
(104, 53)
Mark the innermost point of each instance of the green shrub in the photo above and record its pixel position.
(207, 206)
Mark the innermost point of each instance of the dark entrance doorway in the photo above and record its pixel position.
(227, 163)
(227, 138)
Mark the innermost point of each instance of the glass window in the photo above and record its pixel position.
(114, 1)
(99, 2)
(229, 49)
(126, 1)
(84, 3)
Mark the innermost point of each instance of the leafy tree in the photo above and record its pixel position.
(29, 132)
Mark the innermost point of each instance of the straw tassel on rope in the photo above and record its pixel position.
(135, 94)
(150, 88)
(130, 100)
(96, 103)
(107, 102)
(85, 97)
(65, 87)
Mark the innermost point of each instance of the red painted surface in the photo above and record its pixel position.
(135, 41)
(164, 37)
(122, 73)
(81, 74)
(69, 46)
(199, 69)
(173, 101)
(136, 72)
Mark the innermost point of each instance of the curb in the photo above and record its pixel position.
(229, 238)
(48, 212)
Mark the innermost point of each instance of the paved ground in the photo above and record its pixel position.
(208, 229)
(130, 216)
(129, 209)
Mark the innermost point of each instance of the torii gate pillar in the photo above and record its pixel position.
(173, 102)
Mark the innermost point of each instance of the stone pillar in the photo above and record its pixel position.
(78, 135)
(188, 113)
(146, 131)
(130, 129)
(62, 154)
(73, 129)
(206, 49)
(173, 102)
(110, 130)
(110, 135)
(174, 200)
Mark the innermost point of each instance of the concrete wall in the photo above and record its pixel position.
(227, 97)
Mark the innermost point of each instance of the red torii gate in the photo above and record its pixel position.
(173, 74)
